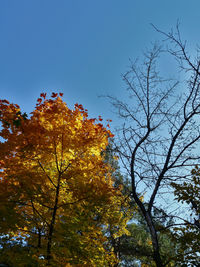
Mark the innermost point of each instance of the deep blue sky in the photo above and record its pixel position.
(81, 47)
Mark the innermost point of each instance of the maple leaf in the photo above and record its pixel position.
(43, 95)
(54, 95)
(39, 100)
(100, 119)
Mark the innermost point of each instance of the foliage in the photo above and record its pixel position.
(136, 249)
(188, 236)
(57, 192)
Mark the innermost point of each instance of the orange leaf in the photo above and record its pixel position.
(54, 95)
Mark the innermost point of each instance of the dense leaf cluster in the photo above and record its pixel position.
(58, 204)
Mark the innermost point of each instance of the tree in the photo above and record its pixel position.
(160, 129)
(56, 189)
(136, 248)
(188, 236)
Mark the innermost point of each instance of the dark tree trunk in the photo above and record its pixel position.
(39, 238)
(154, 238)
(52, 224)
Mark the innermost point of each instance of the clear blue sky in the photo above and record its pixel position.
(81, 47)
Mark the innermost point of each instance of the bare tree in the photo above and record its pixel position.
(160, 132)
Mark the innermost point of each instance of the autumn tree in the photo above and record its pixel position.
(57, 192)
(160, 131)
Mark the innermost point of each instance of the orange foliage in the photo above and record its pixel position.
(56, 190)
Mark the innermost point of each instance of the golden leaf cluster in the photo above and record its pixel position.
(56, 190)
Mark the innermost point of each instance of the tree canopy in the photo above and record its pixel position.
(56, 189)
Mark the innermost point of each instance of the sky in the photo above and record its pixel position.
(81, 47)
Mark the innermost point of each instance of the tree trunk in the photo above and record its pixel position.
(51, 227)
(39, 238)
(154, 238)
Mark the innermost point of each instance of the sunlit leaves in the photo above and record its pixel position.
(56, 189)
